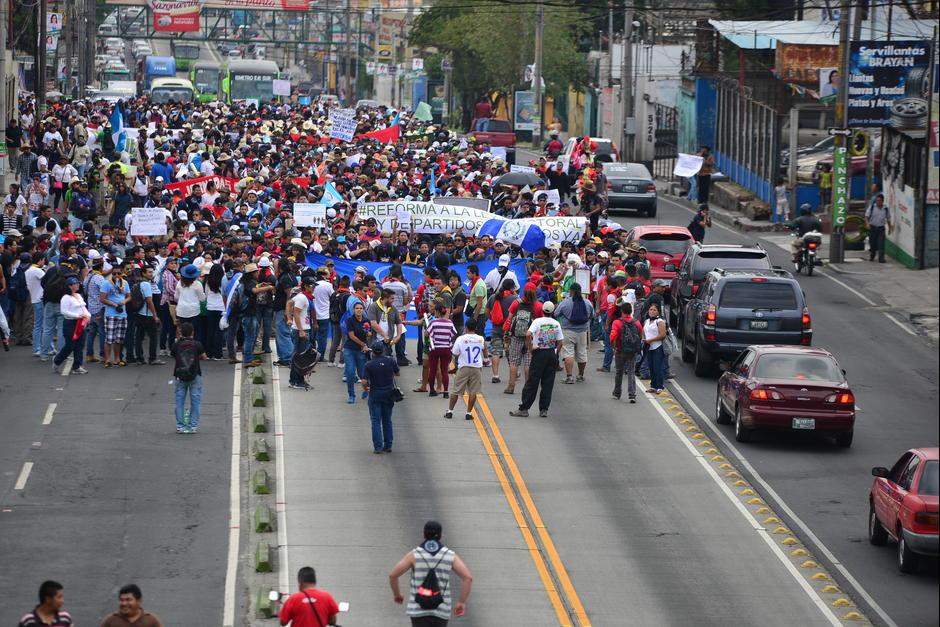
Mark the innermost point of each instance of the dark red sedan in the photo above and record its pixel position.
(903, 505)
(788, 388)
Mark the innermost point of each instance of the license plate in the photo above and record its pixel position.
(629, 188)
(804, 423)
(758, 324)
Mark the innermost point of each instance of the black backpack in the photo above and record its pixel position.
(187, 361)
(521, 321)
(19, 293)
(630, 339)
(137, 302)
(579, 312)
(338, 305)
(429, 595)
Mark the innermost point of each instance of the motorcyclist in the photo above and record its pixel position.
(554, 146)
(803, 224)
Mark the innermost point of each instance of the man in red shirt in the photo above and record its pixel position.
(310, 607)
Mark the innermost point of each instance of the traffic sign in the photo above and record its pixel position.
(834, 130)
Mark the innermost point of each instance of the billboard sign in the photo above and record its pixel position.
(889, 84)
(800, 63)
(524, 113)
(175, 16)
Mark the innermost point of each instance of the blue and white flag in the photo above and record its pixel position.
(396, 120)
(331, 195)
(432, 183)
(526, 235)
(118, 134)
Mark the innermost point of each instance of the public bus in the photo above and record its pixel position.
(186, 52)
(171, 90)
(115, 72)
(206, 77)
(157, 67)
(250, 80)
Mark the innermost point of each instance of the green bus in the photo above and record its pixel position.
(206, 77)
(251, 80)
(186, 52)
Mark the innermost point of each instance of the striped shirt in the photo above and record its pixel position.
(62, 619)
(442, 333)
(443, 564)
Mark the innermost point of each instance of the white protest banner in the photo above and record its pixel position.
(498, 152)
(403, 219)
(687, 165)
(148, 221)
(343, 124)
(353, 161)
(483, 204)
(522, 168)
(560, 229)
(132, 133)
(553, 196)
(309, 214)
(582, 276)
(281, 87)
(426, 217)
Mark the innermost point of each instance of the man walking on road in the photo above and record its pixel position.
(130, 612)
(429, 597)
(877, 218)
(574, 315)
(301, 327)
(49, 612)
(378, 382)
(469, 353)
(188, 373)
(310, 607)
(544, 340)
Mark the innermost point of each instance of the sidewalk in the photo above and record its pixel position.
(913, 295)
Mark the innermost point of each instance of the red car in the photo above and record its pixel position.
(786, 388)
(665, 246)
(903, 504)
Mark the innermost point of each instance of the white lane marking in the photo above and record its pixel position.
(24, 476)
(213, 54)
(818, 544)
(283, 576)
(50, 410)
(234, 531)
(66, 367)
(851, 289)
(755, 525)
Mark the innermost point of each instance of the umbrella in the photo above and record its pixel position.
(518, 178)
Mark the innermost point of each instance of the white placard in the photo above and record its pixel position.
(687, 165)
(354, 160)
(522, 168)
(148, 221)
(426, 217)
(582, 276)
(281, 87)
(403, 219)
(554, 198)
(344, 124)
(309, 214)
(498, 152)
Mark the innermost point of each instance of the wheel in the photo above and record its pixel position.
(809, 268)
(741, 433)
(651, 213)
(907, 559)
(673, 321)
(844, 439)
(703, 360)
(687, 355)
(877, 534)
(722, 417)
(680, 325)
(799, 264)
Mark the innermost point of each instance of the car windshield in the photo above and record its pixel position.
(705, 262)
(929, 481)
(666, 243)
(758, 295)
(626, 170)
(799, 367)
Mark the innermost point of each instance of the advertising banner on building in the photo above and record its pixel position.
(524, 113)
(933, 139)
(889, 83)
(840, 187)
(800, 63)
(175, 16)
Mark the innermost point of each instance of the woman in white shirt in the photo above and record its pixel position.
(654, 332)
(73, 310)
(189, 298)
(62, 173)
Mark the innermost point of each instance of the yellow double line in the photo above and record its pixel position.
(548, 563)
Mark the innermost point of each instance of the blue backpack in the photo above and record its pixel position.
(19, 293)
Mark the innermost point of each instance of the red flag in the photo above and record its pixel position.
(385, 136)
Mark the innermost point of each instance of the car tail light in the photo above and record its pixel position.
(694, 289)
(763, 394)
(711, 315)
(650, 188)
(758, 279)
(609, 186)
(927, 519)
(811, 245)
(842, 398)
(807, 323)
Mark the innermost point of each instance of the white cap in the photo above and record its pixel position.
(331, 213)
(504, 261)
(182, 215)
(264, 262)
(159, 178)
(548, 307)
(93, 254)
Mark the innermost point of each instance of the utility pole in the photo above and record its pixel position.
(840, 171)
(870, 157)
(3, 89)
(68, 30)
(626, 86)
(610, 44)
(41, 64)
(539, 30)
(349, 55)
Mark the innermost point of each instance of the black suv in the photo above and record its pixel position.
(699, 260)
(734, 309)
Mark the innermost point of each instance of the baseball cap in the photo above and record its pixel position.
(548, 307)
(504, 261)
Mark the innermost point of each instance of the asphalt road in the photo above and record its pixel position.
(114, 495)
(894, 377)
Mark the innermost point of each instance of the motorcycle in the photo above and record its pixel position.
(809, 250)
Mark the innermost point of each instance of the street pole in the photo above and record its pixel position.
(610, 44)
(539, 29)
(41, 65)
(626, 87)
(3, 90)
(870, 156)
(840, 171)
(350, 56)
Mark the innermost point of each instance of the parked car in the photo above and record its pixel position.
(665, 246)
(699, 260)
(735, 309)
(498, 133)
(786, 388)
(630, 186)
(604, 150)
(365, 102)
(902, 504)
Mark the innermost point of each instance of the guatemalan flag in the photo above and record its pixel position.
(331, 195)
(118, 134)
(526, 235)
(432, 183)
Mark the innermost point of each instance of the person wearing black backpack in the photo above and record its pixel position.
(18, 293)
(626, 337)
(431, 565)
(188, 374)
(574, 313)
